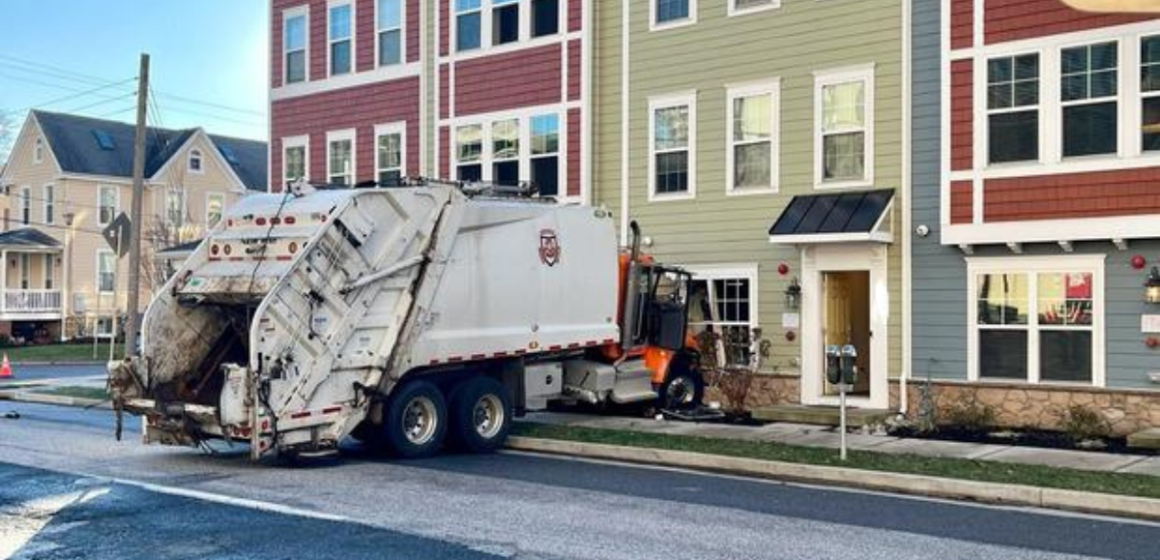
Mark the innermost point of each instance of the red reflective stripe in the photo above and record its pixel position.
(331, 409)
(300, 414)
(237, 258)
(609, 341)
(454, 359)
(555, 347)
(434, 362)
(520, 352)
(590, 343)
(284, 257)
(259, 258)
(499, 354)
(574, 345)
(478, 356)
(214, 259)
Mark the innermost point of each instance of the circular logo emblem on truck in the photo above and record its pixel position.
(549, 247)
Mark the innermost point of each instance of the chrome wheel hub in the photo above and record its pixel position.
(420, 420)
(488, 416)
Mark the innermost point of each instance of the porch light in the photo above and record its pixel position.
(793, 294)
(1152, 287)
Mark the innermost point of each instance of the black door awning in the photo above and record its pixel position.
(835, 218)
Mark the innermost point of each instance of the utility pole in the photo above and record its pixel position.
(135, 210)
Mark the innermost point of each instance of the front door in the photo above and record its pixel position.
(846, 321)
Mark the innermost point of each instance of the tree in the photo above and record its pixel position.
(7, 135)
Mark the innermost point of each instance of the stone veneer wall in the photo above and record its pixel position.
(1025, 406)
(767, 390)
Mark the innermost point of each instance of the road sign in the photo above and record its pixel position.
(117, 234)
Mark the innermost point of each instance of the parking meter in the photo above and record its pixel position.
(849, 364)
(833, 364)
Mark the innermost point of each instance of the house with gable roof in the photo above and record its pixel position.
(67, 178)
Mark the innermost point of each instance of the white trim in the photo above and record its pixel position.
(907, 182)
(865, 74)
(523, 118)
(209, 196)
(772, 89)
(330, 41)
(344, 81)
(400, 128)
(654, 25)
(302, 141)
(296, 11)
(38, 150)
(586, 162)
(1052, 231)
(189, 157)
(116, 203)
(1032, 266)
(348, 134)
(625, 76)
(686, 99)
(733, 10)
(402, 34)
(26, 205)
(213, 152)
(831, 238)
(97, 287)
(732, 271)
(48, 201)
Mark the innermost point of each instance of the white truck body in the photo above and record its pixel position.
(298, 313)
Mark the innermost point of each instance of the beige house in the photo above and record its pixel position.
(67, 178)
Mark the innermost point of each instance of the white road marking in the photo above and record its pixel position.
(24, 521)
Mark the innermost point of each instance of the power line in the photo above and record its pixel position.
(40, 66)
(80, 94)
(181, 99)
(102, 102)
(117, 112)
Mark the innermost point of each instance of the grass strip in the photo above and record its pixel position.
(1124, 484)
(60, 353)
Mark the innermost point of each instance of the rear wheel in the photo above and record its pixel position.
(415, 421)
(481, 415)
(683, 390)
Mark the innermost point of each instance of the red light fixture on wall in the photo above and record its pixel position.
(1138, 262)
(783, 269)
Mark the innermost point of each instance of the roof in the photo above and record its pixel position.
(181, 249)
(845, 216)
(28, 238)
(103, 147)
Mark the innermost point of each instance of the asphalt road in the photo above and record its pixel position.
(38, 372)
(151, 502)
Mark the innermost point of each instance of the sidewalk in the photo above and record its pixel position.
(828, 437)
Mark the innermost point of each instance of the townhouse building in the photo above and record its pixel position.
(759, 143)
(1036, 156)
(376, 90)
(67, 178)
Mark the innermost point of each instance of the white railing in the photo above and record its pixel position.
(31, 301)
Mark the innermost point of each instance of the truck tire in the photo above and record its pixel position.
(683, 390)
(415, 421)
(481, 415)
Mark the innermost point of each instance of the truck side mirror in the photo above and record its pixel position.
(849, 364)
(833, 364)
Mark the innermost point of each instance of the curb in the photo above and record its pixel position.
(59, 400)
(919, 485)
(62, 363)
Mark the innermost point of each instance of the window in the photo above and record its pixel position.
(294, 158)
(505, 21)
(175, 207)
(38, 151)
(107, 204)
(1088, 92)
(724, 304)
(752, 150)
(1039, 322)
(340, 167)
(505, 152)
(1013, 108)
(389, 154)
(737, 7)
(468, 24)
(49, 272)
(545, 154)
(341, 49)
(390, 32)
(469, 153)
(26, 205)
(1150, 91)
(49, 204)
(25, 271)
(845, 105)
(195, 161)
(104, 327)
(215, 205)
(545, 17)
(106, 271)
(673, 12)
(672, 129)
(294, 45)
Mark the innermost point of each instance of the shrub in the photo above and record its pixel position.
(732, 382)
(971, 415)
(1081, 424)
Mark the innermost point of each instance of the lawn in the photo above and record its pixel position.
(65, 353)
(97, 393)
(984, 471)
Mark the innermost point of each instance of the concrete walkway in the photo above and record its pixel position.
(828, 437)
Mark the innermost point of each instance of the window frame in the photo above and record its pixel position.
(48, 192)
(291, 142)
(25, 271)
(484, 26)
(560, 153)
(866, 74)
(1118, 98)
(302, 11)
(400, 128)
(101, 254)
(116, 203)
(402, 35)
(333, 136)
(210, 196)
(182, 198)
(38, 151)
(771, 88)
(738, 271)
(654, 25)
(1038, 107)
(1032, 267)
(524, 118)
(689, 99)
(1141, 94)
(330, 41)
(733, 10)
(26, 205)
(49, 280)
(525, 37)
(195, 155)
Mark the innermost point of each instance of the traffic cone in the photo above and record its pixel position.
(5, 368)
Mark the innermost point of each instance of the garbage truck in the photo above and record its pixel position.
(408, 318)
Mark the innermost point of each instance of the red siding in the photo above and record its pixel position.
(444, 88)
(445, 148)
(276, 48)
(1011, 20)
(962, 202)
(1080, 195)
(364, 39)
(962, 23)
(359, 107)
(962, 115)
(318, 46)
(575, 15)
(412, 22)
(574, 69)
(508, 81)
(444, 27)
(574, 152)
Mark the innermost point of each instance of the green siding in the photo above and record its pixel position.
(790, 43)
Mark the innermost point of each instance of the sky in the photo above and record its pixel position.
(209, 62)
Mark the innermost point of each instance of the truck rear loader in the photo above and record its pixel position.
(403, 317)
